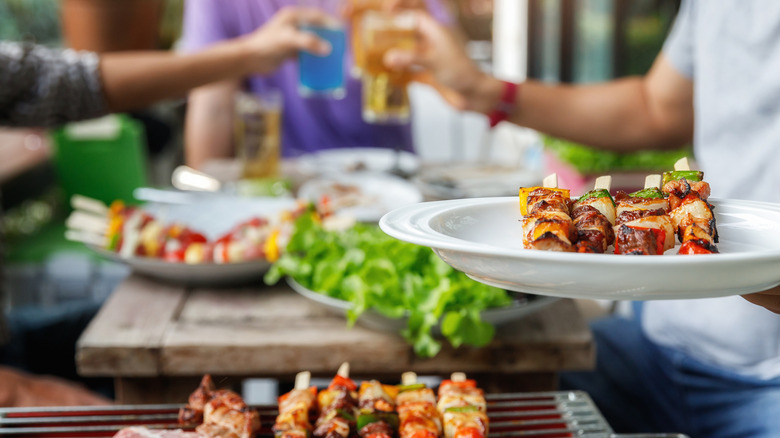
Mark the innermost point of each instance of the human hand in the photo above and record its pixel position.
(280, 38)
(769, 299)
(447, 67)
(386, 5)
(25, 390)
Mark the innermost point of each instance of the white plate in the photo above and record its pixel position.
(522, 306)
(375, 193)
(468, 180)
(483, 238)
(343, 160)
(213, 217)
(201, 275)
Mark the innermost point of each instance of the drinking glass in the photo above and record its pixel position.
(385, 98)
(359, 8)
(257, 133)
(324, 75)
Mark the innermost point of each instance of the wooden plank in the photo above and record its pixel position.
(270, 332)
(125, 337)
(554, 338)
(273, 332)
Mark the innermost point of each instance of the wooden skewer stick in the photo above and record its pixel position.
(82, 236)
(90, 205)
(409, 378)
(550, 181)
(458, 377)
(343, 370)
(682, 164)
(302, 380)
(603, 183)
(80, 220)
(653, 181)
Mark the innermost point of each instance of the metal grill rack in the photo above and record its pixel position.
(542, 414)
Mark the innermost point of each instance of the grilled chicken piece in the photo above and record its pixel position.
(550, 231)
(223, 413)
(642, 226)
(594, 230)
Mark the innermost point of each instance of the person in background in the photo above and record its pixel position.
(706, 367)
(308, 124)
(46, 87)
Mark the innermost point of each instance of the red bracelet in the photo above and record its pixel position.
(506, 106)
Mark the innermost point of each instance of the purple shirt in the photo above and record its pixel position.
(308, 124)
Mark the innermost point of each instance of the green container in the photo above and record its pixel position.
(104, 159)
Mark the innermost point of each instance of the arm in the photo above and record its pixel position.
(24, 390)
(769, 299)
(133, 80)
(209, 126)
(654, 111)
(45, 87)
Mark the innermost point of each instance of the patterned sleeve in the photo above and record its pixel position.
(47, 87)
(679, 46)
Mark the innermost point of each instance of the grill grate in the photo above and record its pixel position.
(543, 415)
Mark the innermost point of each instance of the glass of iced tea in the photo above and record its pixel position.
(385, 98)
(257, 133)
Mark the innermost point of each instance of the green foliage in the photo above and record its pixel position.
(590, 161)
(372, 270)
(30, 20)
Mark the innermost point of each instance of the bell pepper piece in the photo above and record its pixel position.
(525, 191)
(690, 175)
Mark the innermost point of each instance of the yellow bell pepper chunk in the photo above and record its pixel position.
(526, 191)
(271, 246)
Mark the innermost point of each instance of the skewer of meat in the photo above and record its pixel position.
(378, 418)
(691, 214)
(295, 407)
(338, 406)
(417, 413)
(547, 224)
(463, 408)
(220, 412)
(642, 225)
(594, 216)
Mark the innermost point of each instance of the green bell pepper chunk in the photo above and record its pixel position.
(648, 193)
(601, 193)
(388, 417)
(690, 175)
(462, 409)
(411, 387)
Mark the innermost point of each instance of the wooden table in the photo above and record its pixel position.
(157, 340)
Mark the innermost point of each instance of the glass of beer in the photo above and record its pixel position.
(359, 8)
(257, 133)
(385, 98)
(324, 75)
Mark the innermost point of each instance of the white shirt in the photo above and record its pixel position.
(731, 50)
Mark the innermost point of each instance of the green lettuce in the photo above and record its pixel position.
(371, 270)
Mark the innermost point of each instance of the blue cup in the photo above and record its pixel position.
(323, 76)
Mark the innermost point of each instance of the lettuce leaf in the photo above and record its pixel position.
(372, 270)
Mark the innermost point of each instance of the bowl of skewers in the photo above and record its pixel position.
(223, 241)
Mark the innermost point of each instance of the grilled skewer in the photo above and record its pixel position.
(690, 212)
(463, 408)
(338, 406)
(547, 224)
(295, 408)
(594, 216)
(417, 413)
(642, 225)
(220, 412)
(378, 418)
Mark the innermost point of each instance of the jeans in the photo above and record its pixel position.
(642, 387)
